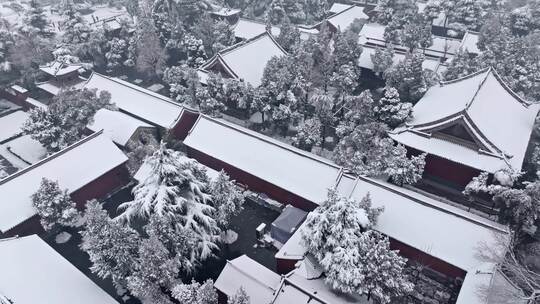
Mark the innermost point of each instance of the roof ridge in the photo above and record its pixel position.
(505, 86)
(469, 103)
(242, 43)
(312, 295)
(51, 157)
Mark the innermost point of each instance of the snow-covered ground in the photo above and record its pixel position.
(27, 149)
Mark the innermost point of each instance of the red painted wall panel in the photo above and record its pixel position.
(184, 124)
(28, 227)
(102, 186)
(457, 174)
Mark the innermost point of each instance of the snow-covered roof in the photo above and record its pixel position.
(367, 50)
(282, 165)
(499, 122)
(345, 18)
(249, 29)
(259, 282)
(442, 231)
(486, 284)
(73, 168)
(27, 149)
(247, 60)
(118, 126)
(373, 34)
(339, 7)
(33, 272)
(35, 103)
(226, 12)
(469, 42)
(11, 124)
(59, 68)
(137, 101)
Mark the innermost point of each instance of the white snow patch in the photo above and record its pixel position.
(62, 238)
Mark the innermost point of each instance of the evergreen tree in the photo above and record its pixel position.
(391, 110)
(54, 206)
(112, 247)
(336, 223)
(467, 14)
(215, 35)
(407, 172)
(154, 272)
(64, 121)
(150, 55)
(35, 20)
(276, 12)
(195, 293)
(388, 10)
(175, 189)
(382, 59)
(309, 134)
(75, 29)
(366, 265)
(227, 199)
(183, 84)
(289, 36)
(409, 78)
(240, 297)
(461, 65)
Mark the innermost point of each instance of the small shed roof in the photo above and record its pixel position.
(282, 165)
(247, 60)
(498, 120)
(118, 126)
(11, 124)
(259, 282)
(137, 101)
(73, 168)
(33, 272)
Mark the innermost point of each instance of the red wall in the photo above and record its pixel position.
(284, 266)
(18, 99)
(184, 124)
(101, 186)
(28, 227)
(455, 173)
(252, 182)
(97, 189)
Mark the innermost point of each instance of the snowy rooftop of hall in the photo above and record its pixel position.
(249, 29)
(11, 124)
(247, 60)
(289, 168)
(119, 127)
(497, 120)
(73, 168)
(339, 7)
(36, 273)
(343, 19)
(137, 101)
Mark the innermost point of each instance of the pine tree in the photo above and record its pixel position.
(112, 247)
(309, 134)
(75, 29)
(240, 297)
(54, 206)
(289, 36)
(36, 20)
(406, 172)
(467, 14)
(183, 84)
(382, 59)
(336, 223)
(195, 293)
(150, 55)
(409, 77)
(65, 119)
(175, 189)
(117, 53)
(391, 110)
(227, 199)
(366, 265)
(154, 272)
